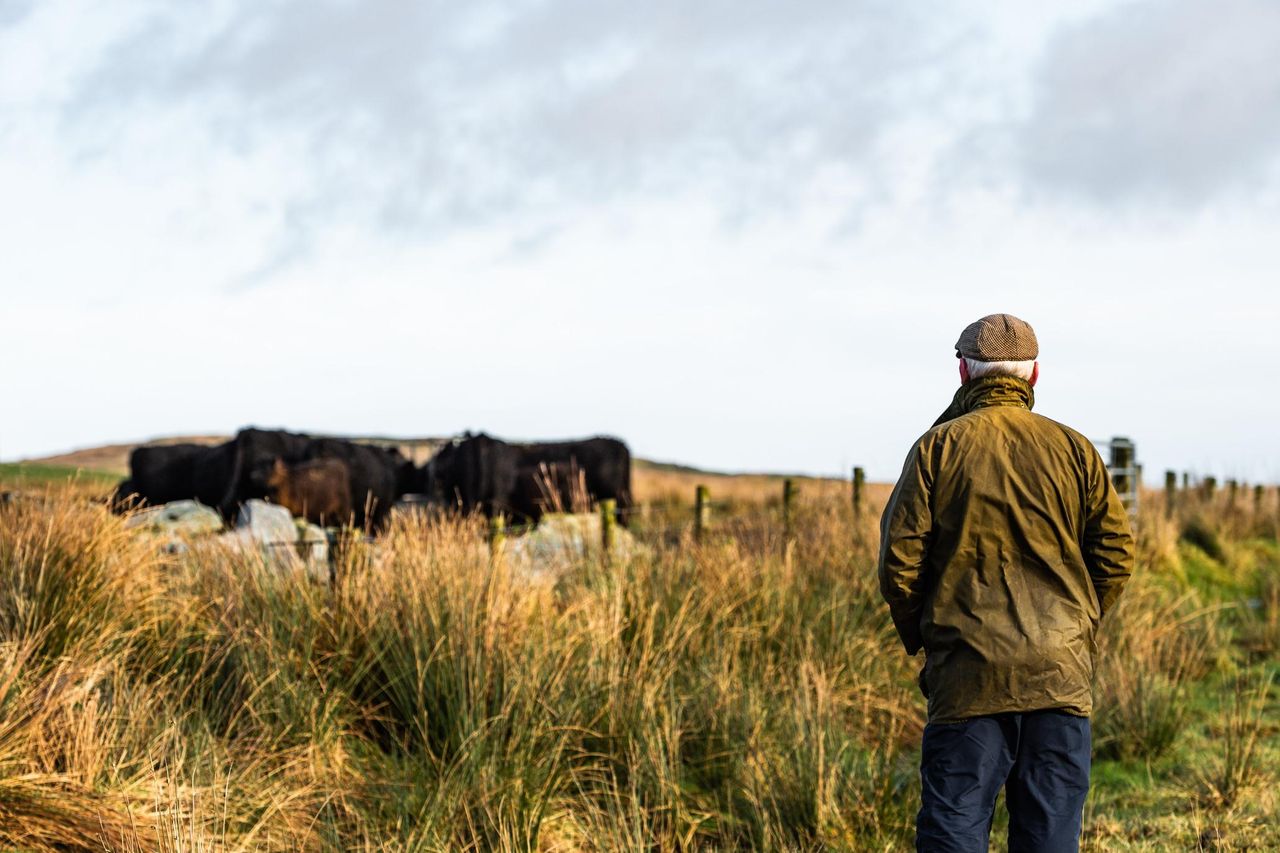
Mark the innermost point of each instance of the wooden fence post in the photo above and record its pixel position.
(859, 480)
(1233, 491)
(1209, 487)
(788, 498)
(1259, 493)
(340, 542)
(701, 511)
(608, 528)
(497, 535)
(1170, 492)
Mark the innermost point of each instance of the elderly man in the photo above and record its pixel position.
(1002, 547)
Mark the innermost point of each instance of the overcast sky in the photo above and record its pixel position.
(737, 233)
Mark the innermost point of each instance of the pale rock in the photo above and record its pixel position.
(179, 518)
(561, 541)
(265, 522)
(313, 546)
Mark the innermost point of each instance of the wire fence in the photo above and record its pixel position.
(667, 523)
(1126, 472)
(667, 520)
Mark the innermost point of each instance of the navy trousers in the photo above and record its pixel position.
(1041, 758)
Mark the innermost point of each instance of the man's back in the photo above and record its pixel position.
(1002, 546)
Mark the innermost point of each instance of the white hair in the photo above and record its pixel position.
(1020, 369)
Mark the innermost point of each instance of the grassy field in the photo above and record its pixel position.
(27, 475)
(745, 692)
(655, 483)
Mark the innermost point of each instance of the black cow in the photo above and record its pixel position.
(524, 481)
(173, 472)
(406, 472)
(548, 474)
(375, 472)
(476, 473)
(253, 453)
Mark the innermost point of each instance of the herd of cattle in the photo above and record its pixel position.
(336, 481)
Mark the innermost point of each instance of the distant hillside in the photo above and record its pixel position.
(653, 481)
(680, 468)
(114, 458)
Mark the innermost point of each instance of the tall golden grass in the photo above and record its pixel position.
(742, 692)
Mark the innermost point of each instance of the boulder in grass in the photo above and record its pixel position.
(265, 523)
(268, 530)
(313, 547)
(179, 518)
(281, 557)
(286, 544)
(559, 542)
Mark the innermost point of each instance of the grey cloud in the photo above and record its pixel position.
(1172, 102)
(13, 11)
(421, 115)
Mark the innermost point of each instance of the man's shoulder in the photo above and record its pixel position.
(939, 432)
(1074, 436)
(945, 430)
(979, 420)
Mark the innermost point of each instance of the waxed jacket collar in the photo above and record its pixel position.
(996, 391)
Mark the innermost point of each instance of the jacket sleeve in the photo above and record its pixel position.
(1108, 538)
(904, 536)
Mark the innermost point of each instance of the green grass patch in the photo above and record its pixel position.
(34, 474)
(730, 695)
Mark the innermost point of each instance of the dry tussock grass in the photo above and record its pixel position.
(743, 692)
(662, 486)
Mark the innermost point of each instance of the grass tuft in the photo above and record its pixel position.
(742, 692)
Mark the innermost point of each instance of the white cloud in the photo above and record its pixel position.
(1175, 102)
(738, 234)
(432, 116)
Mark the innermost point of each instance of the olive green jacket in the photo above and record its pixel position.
(1002, 546)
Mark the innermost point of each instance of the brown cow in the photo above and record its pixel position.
(318, 490)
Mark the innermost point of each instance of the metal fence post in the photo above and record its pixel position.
(1122, 472)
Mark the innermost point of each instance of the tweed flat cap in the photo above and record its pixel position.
(998, 337)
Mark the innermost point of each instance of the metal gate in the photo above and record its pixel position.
(1126, 473)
